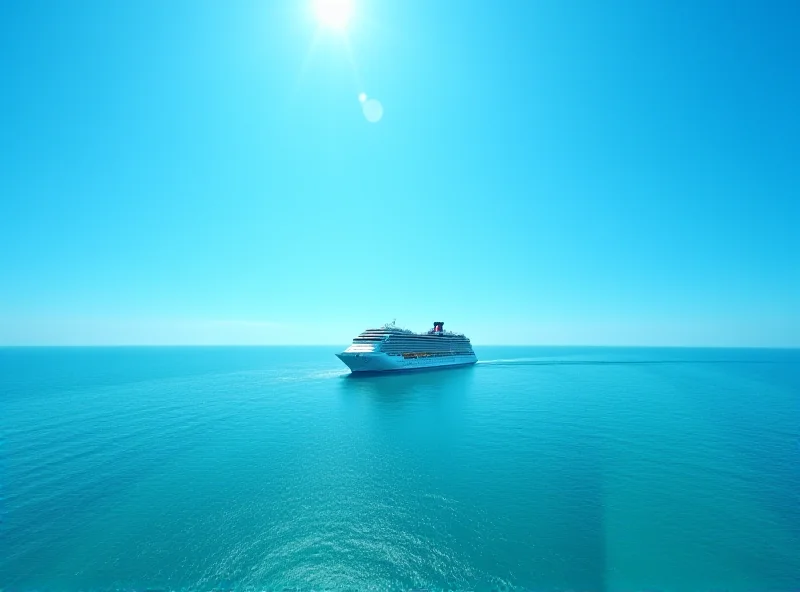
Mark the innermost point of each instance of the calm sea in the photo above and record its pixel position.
(589, 469)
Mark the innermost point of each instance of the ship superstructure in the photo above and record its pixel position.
(392, 348)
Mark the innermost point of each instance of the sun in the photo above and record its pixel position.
(333, 14)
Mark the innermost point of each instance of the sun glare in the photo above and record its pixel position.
(333, 14)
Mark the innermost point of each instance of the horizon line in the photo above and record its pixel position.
(264, 345)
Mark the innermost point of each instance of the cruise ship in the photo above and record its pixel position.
(391, 348)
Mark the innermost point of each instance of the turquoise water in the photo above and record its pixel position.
(265, 468)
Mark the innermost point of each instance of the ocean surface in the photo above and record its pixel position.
(586, 469)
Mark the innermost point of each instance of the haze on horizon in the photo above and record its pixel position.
(293, 172)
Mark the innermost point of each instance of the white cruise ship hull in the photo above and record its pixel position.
(381, 362)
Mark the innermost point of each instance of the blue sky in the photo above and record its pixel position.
(553, 172)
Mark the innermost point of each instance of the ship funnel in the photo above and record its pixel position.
(438, 326)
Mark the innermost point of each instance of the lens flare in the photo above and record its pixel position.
(373, 110)
(333, 14)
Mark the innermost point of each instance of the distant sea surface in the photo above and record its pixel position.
(590, 469)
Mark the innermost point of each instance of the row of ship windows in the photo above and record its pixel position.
(360, 348)
(390, 350)
(413, 344)
(431, 339)
(407, 351)
(411, 335)
(415, 336)
(421, 347)
(444, 352)
(416, 339)
(427, 343)
(432, 354)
